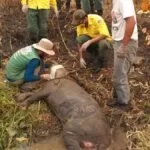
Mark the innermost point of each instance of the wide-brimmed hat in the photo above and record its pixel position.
(45, 46)
(78, 15)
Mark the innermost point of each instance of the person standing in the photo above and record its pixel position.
(37, 17)
(125, 44)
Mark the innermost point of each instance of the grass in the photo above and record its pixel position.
(14, 122)
(139, 139)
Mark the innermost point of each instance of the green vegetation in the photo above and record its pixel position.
(14, 122)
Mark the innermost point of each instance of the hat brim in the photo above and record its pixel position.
(49, 52)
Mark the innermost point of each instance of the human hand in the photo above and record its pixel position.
(121, 52)
(57, 13)
(86, 45)
(45, 76)
(25, 9)
(82, 63)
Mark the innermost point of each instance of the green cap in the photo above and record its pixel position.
(78, 15)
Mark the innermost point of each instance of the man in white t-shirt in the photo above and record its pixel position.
(125, 44)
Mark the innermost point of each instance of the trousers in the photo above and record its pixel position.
(121, 69)
(37, 21)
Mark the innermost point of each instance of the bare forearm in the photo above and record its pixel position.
(130, 23)
(80, 51)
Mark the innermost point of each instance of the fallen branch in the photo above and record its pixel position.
(62, 38)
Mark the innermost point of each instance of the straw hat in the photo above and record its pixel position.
(45, 46)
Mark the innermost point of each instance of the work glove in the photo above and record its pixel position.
(82, 63)
(57, 13)
(121, 52)
(25, 8)
(86, 45)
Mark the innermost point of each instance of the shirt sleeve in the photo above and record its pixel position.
(126, 8)
(24, 2)
(30, 69)
(102, 27)
(53, 4)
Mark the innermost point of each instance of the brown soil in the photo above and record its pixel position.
(13, 35)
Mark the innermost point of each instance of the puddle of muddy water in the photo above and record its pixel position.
(54, 143)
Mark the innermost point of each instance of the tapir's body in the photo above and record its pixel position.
(79, 113)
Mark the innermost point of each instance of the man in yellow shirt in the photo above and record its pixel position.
(37, 17)
(92, 36)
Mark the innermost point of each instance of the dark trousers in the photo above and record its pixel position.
(97, 51)
(37, 24)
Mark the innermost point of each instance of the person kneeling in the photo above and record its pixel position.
(92, 36)
(26, 64)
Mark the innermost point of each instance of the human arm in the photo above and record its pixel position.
(30, 71)
(129, 18)
(101, 32)
(53, 4)
(130, 23)
(82, 61)
(24, 6)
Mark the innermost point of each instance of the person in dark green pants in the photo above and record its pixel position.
(37, 17)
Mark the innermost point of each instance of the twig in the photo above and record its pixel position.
(62, 38)
(10, 43)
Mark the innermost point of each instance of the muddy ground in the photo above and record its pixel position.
(134, 121)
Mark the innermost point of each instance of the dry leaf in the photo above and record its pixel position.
(11, 131)
(22, 139)
(144, 30)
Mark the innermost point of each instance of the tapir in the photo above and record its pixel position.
(84, 124)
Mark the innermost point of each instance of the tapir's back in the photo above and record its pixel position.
(68, 99)
(79, 112)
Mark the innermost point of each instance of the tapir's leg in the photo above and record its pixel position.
(19, 97)
(71, 141)
(34, 97)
